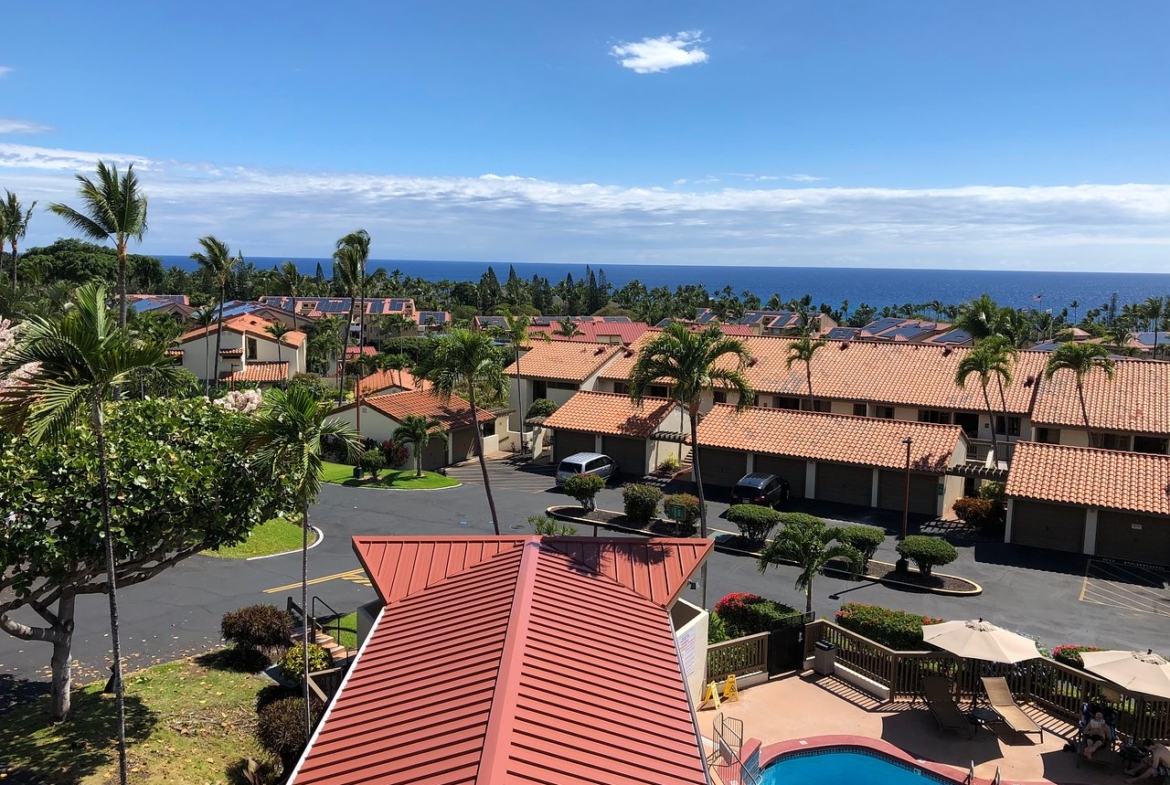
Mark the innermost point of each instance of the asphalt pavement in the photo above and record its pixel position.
(1058, 598)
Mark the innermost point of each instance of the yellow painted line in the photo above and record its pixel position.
(1085, 580)
(1092, 601)
(313, 582)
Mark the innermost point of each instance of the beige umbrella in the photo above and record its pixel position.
(980, 640)
(1134, 671)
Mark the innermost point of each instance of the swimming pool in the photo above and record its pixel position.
(837, 766)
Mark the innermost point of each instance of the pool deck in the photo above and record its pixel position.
(797, 707)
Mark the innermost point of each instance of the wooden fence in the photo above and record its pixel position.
(737, 657)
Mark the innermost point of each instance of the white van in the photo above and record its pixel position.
(586, 463)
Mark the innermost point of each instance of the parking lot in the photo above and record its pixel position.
(1126, 587)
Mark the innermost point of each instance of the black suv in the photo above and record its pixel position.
(765, 489)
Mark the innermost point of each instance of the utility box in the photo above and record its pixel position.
(825, 658)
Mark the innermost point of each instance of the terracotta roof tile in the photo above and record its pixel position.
(250, 325)
(1132, 481)
(387, 379)
(868, 441)
(260, 373)
(567, 361)
(592, 332)
(1135, 399)
(597, 412)
(453, 413)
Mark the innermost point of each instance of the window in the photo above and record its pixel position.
(819, 405)
(1013, 426)
(720, 396)
(1151, 444)
(658, 391)
(1112, 441)
(253, 350)
(885, 412)
(860, 410)
(621, 388)
(562, 386)
(934, 416)
(487, 428)
(1048, 435)
(787, 403)
(539, 389)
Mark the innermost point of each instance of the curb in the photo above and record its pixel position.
(399, 490)
(973, 592)
(320, 537)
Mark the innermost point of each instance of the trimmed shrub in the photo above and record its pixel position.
(541, 407)
(992, 492)
(977, 512)
(927, 552)
(292, 664)
(372, 462)
(800, 519)
(866, 539)
(550, 527)
(716, 629)
(395, 454)
(669, 463)
(1070, 654)
(313, 383)
(641, 502)
(280, 728)
(583, 487)
(754, 521)
(743, 613)
(690, 505)
(262, 628)
(896, 629)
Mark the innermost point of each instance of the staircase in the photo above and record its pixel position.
(337, 652)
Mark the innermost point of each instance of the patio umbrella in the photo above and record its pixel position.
(980, 640)
(1134, 671)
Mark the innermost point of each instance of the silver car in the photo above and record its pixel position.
(586, 463)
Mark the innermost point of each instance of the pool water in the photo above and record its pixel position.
(845, 767)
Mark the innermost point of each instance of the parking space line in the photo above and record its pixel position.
(1128, 588)
(1085, 580)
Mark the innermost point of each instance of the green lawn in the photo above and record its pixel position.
(347, 636)
(186, 722)
(275, 536)
(403, 479)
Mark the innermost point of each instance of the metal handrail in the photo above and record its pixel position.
(336, 618)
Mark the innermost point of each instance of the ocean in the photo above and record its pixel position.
(832, 285)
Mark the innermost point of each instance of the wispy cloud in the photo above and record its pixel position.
(803, 178)
(653, 55)
(499, 216)
(9, 125)
(5, 70)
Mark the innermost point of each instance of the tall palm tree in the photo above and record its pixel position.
(802, 350)
(115, 208)
(1154, 309)
(204, 318)
(978, 317)
(284, 438)
(82, 358)
(693, 363)
(567, 328)
(1081, 359)
(806, 541)
(14, 222)
(460, 360)
(351, 268)
(418, 430)
(290, 282)
(217, 260)
(278, 330)
(1074, 305)
(988, 359)
(516, 334)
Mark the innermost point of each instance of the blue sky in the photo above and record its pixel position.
(995, 134)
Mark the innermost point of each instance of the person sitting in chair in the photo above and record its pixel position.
(1097, 732)
(1158, 762)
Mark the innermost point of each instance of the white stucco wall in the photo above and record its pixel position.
(690, 635)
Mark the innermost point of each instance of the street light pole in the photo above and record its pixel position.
(906, 503)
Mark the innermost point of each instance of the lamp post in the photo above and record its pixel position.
(906, 503)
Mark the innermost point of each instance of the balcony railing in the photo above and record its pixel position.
(980, 448)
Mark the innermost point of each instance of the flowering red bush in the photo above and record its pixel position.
(896, 629)
(742, 613)
(396, 454)
(736, 601)
(1070, 654)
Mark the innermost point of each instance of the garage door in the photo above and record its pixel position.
(837, 482)
(568, 442)
(434, 456)
(1131, 537)
(1042, 525)
(791, 469)
(923, 492)
(463, 444)
(629, 454)
(722, 468)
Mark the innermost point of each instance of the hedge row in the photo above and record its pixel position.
(742, 613)
(896, 629)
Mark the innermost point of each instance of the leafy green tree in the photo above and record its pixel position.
(802, 350)
(80, 360)
(217, 260)
(278, 330)
(284, 439)
(692, 364)
(927, 552)
(987, 360)
(114, 208)
(418, 430)
(807, 542)
(13, 225)
(584, 488)
(463, 360)
(1080, 359)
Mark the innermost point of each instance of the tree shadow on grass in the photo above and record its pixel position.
(16, 693)
(37, 750)
(235, 660)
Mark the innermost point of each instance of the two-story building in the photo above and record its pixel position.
(248, 352)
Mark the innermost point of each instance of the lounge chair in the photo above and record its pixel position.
(939, 694)
(999, 696)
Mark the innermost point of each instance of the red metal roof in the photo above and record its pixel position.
(493, 670)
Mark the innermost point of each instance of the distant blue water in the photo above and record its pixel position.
(841, 767)
(832, 285)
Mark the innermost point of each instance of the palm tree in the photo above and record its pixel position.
(1154, 309)
(979, 317)
(1074, 305)
(463, 359)
(285, 439)
(278, 330)
(693, 363)
(114, 208)
(289, 281)
(14, 222)
(1080, 359)
(802, 350)
(418, 430)
(82, 359)
(217, 260)
(351, 263)
(805, 541)
(516, 334)
(204, 318)
(992, 358)
(567, 328)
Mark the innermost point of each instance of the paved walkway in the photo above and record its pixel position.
(799, 707)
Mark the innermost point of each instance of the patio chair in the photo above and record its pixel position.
(1106, 755)
(999, 696)
(940, 698)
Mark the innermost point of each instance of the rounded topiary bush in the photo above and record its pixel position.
(262, 628)
(292, 665)
(280, 728)
(641, 502)
(866, 539)
(541, 407)
(690, 505)
(927, 552)
(755, 522)
(583, 487)
(373, 461)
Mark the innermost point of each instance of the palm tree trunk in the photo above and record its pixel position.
(122, 305)
(991, 416)
(487, 485)
(1084, 410)
(13, 260)
(96, 419)
(305, 614)
(207, 362)
(344, 354)
(694, 417)
(219, 331)
(520, 398)
(808, 592)
(812, 404)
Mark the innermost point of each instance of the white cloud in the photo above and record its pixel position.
(11, 126)
(652, 55)
(494, 216)
(803, 178)
(5, 70)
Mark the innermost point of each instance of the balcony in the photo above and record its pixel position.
(980, 448)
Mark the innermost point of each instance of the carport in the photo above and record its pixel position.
(844, 484)
(610, 423)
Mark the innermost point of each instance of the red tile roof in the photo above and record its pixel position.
(353, 351)
(517, 647)
(868, 441)
(251, 325)
(1133, 400)
(596, 332)
(567, 361)
(260, 373)
(453, 413)
(598, 412)
(387, 379)
(1132, 481)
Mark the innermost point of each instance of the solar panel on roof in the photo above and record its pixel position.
(616, 319)
(842, 333)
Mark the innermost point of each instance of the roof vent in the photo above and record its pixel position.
(1029, 381)
(630, 352)
(844, 345)
(947, 352)
(751, 363)
(599, 350)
